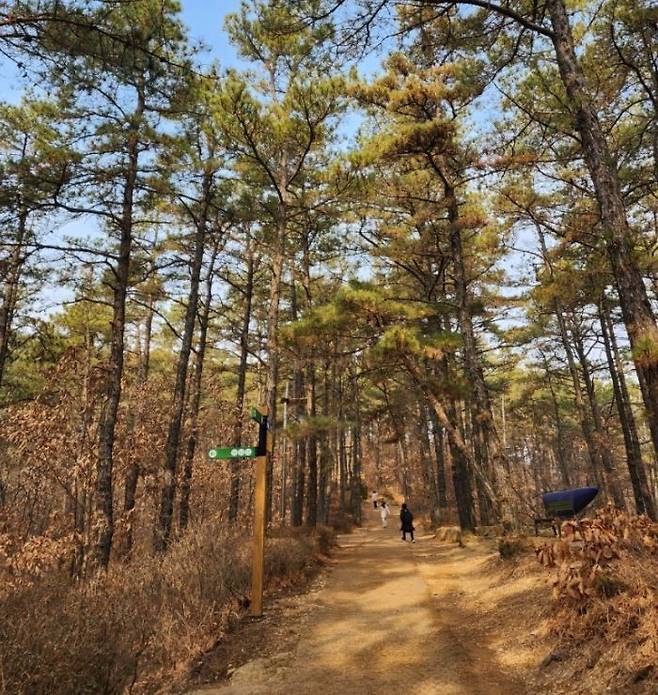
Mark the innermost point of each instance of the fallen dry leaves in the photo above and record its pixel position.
(604, 573)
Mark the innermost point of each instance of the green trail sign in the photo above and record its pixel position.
(233, 452)
(257, 415)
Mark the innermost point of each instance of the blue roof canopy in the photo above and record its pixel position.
(567, 503)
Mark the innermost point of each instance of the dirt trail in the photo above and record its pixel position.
(390, 616)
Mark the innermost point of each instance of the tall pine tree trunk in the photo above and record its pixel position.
(325, 456)
(355, 492)
(234, 496)
(343, 473)
(165, 517)
(134, 469)
(104, 493)
(299, 449)
(560, 443)
(10, 287)
(479, 445)
(586, 426)
(462, 458)
(195, 399)
(644, 503)
(635, 306)
(277, 263)
(312, 450)
(492, 457)
(312, 440)
(601, 442)
(427, 464)
(438, 440)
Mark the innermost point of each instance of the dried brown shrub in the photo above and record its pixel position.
(593, 551)
(325, 539)
(141, 624)
(343, 523)
(513, 547)
(320, 539)
(604, 572)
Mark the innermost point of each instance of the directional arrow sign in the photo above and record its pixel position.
(233, 452)
(257, 415)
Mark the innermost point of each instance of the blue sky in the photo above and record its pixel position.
(205, 20)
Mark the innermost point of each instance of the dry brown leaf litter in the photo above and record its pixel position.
(604, 573)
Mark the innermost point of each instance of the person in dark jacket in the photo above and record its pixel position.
(406, 523)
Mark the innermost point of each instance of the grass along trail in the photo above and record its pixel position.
(394, 615)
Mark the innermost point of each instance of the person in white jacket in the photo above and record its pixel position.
(374, 497)
(384, 512)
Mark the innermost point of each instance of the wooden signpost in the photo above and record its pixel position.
(259, 453)
(258, 563)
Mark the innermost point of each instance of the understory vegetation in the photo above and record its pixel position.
(138, 627)
(603, 578)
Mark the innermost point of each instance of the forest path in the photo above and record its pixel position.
(390, 616)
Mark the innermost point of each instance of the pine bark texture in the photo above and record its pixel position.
(635, 306)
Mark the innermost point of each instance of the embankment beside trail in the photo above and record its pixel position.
(584, 617)
(604, 612)
(142, 626)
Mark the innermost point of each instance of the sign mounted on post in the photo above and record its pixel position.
(233, 452)
(257, 416)
(258, 564)
(260, 453)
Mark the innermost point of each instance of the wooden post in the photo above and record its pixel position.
(258, 562)
(258, 566)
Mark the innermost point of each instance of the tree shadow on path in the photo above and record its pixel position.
(379, 625)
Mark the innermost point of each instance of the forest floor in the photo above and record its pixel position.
(426, 617)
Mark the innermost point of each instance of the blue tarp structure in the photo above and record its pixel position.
(567, 503)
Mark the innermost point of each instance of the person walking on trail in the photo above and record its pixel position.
(384, 512)
(406, 523)
(373, 497)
